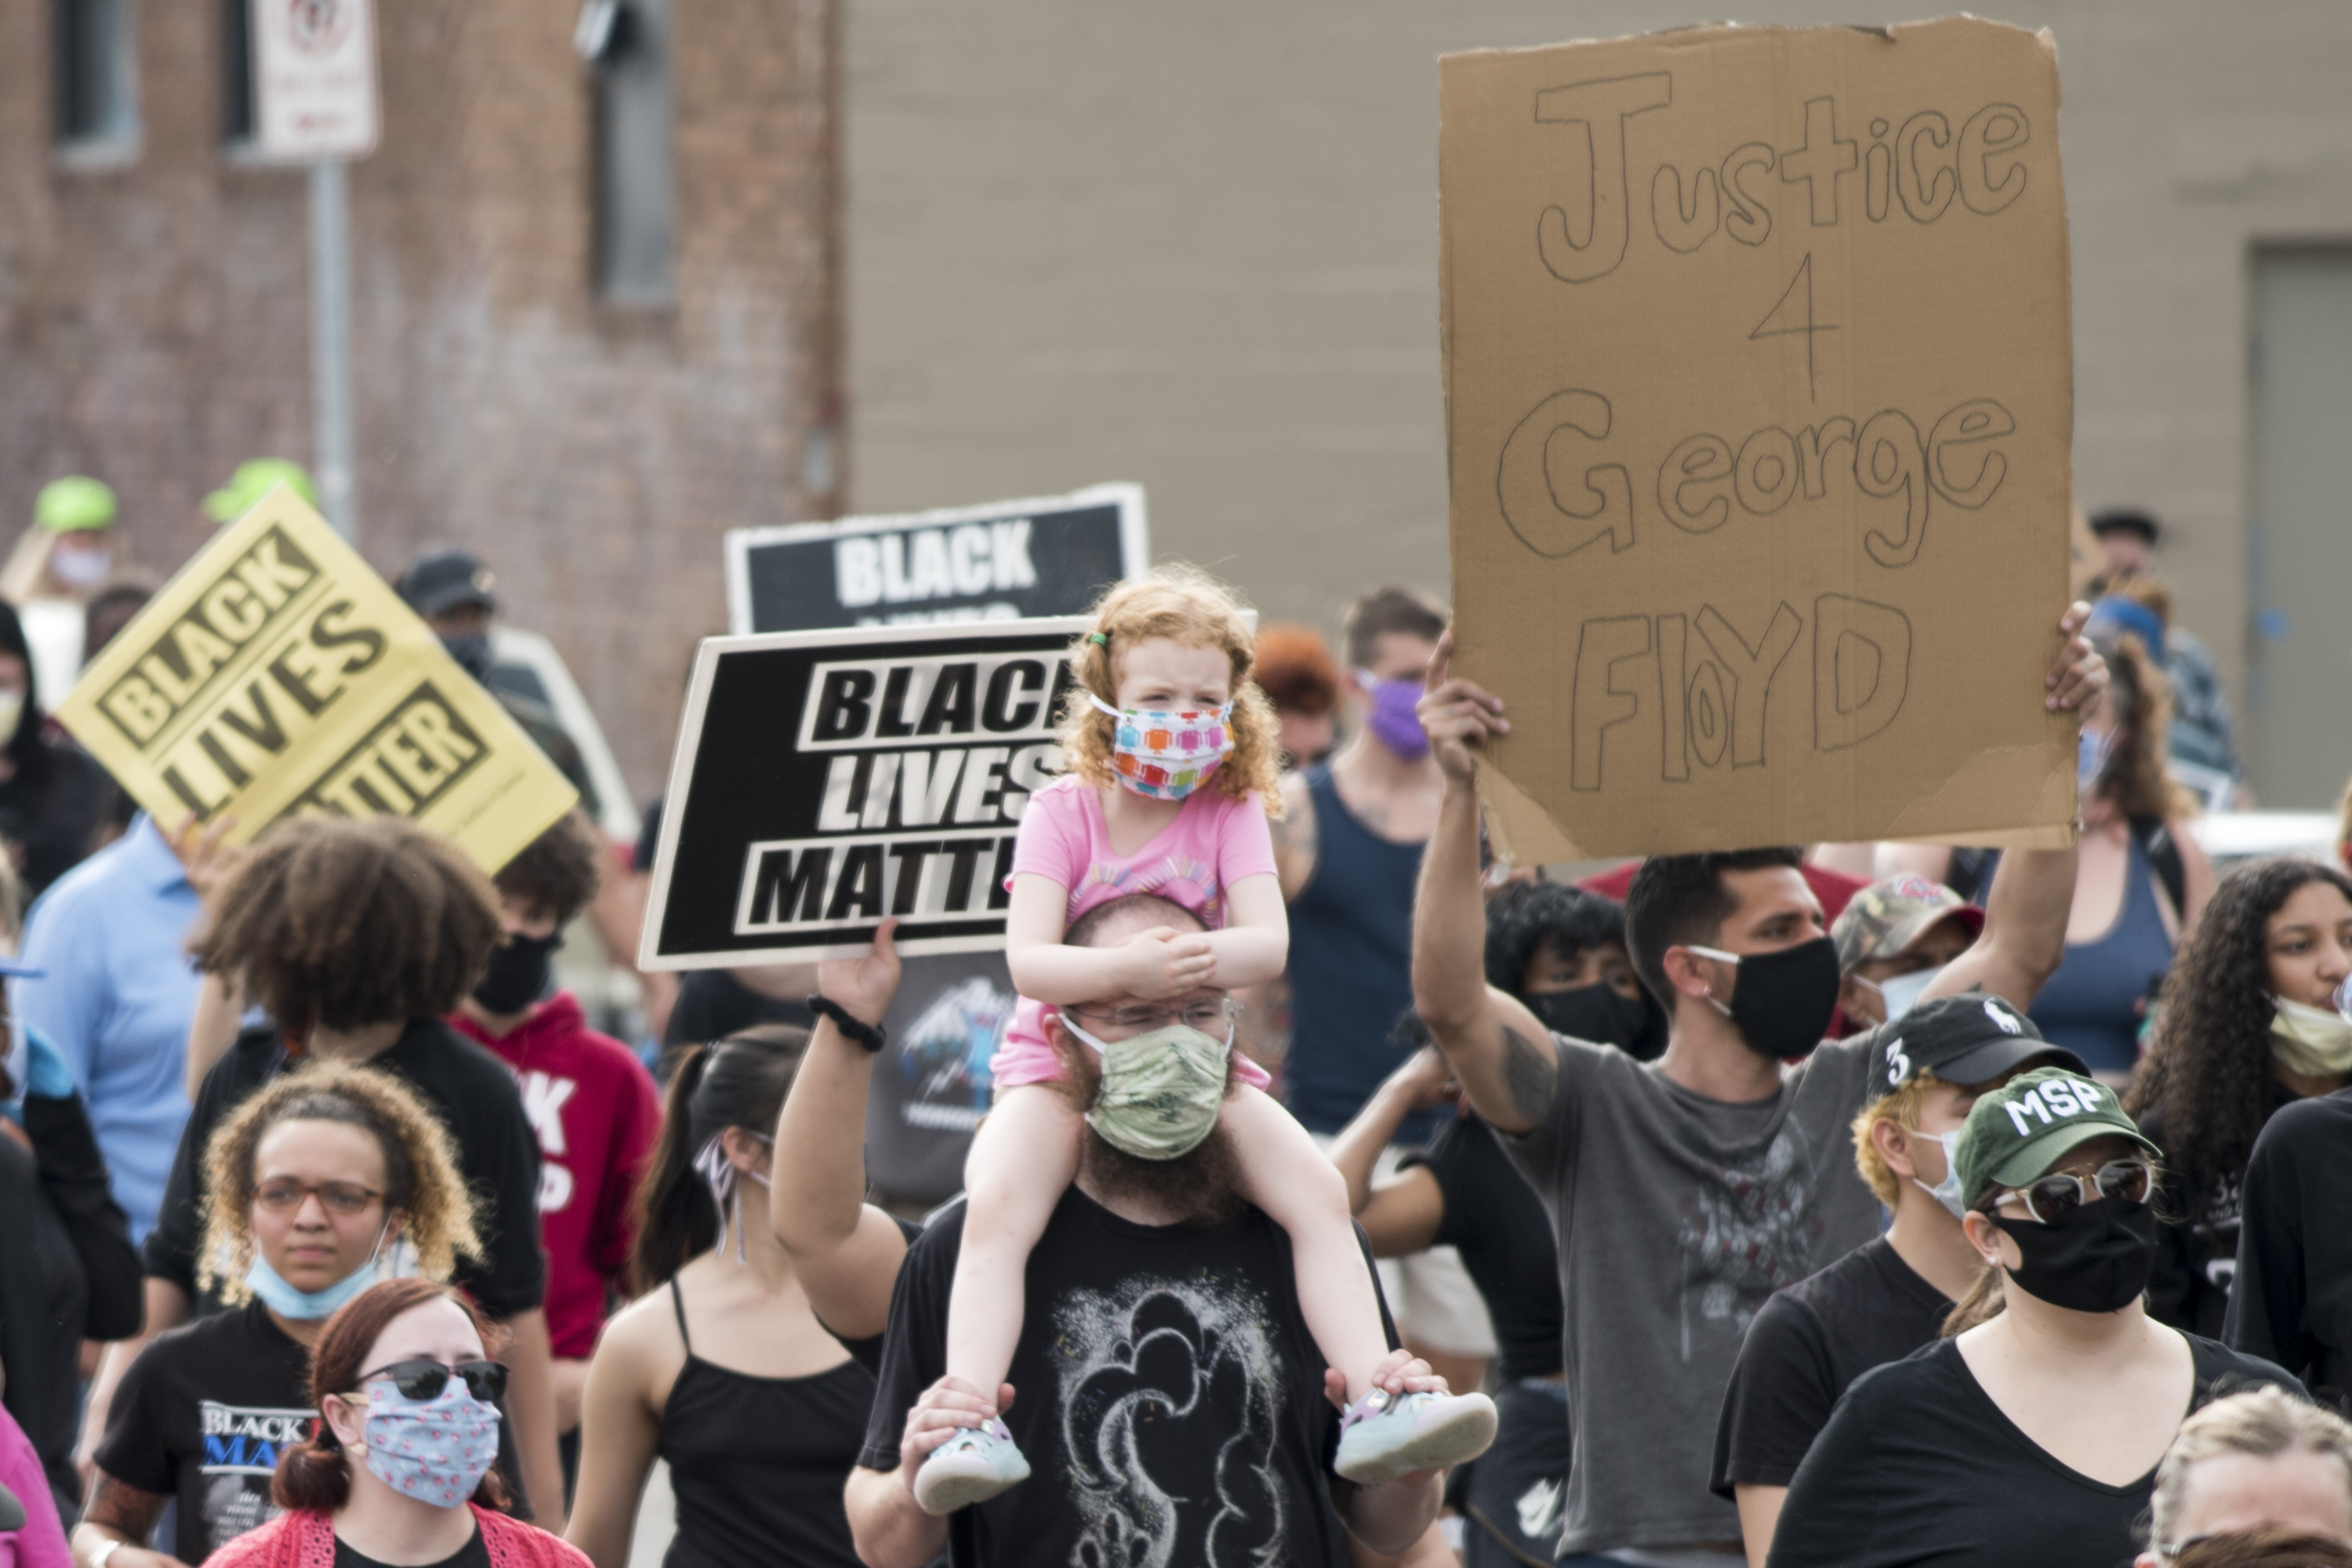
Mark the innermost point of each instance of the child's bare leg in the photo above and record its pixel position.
(1021, 1160)
(1286, 1175)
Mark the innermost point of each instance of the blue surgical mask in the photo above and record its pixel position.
(290, 1300)
(1901, 993)
(1947, 1190)
(2091, 758)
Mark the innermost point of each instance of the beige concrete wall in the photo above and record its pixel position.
(1194, 245)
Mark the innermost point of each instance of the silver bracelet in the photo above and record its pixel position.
(98, 1559)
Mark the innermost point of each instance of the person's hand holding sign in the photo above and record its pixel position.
(1457, 715)
(2078, 679)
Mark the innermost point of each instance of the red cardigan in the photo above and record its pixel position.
(307, 1540)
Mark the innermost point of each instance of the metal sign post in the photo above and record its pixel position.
(314, 83)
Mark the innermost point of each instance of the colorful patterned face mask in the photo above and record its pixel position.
(436, 1450)
(1165, 753)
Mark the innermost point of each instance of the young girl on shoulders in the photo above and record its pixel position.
(1171, 761)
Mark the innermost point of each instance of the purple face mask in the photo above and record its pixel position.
(1394, 721)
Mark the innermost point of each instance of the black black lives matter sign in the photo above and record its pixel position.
(827, 780)
(1051, 555)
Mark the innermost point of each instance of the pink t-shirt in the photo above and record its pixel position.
(1214, 842)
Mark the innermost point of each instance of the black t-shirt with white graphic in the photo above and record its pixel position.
(202, 1414)
(1919, 1466)
(1497, 1222)
(1170, 1399)
(1808, 1342)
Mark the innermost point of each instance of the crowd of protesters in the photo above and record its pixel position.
(1349, 1198)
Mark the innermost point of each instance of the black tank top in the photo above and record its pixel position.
(757, 1464)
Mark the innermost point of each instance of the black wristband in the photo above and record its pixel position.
(873, 1036)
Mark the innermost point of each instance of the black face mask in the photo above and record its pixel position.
(2096, 1258)
(1601, 1014)
(472, 652)
(520, 969)
(1782, 1001)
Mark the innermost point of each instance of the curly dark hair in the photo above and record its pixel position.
(2207, 1073)
(346, 922)
(1523, 915)
(559, 870)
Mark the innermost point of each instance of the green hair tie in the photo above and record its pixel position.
(1099, 639)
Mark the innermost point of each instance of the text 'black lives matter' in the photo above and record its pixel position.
(827, 780)
(254, 666)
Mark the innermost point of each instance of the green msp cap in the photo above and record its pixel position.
(2019, 1131)
(252, 481)
(69, 505)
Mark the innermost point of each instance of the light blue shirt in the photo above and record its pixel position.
(117, 1000)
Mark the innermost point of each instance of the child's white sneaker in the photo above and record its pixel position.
(975, 1465)
(1383, 1436)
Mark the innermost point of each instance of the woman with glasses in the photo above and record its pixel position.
(721, 1368)
(2248, 1026)
(400, 1470)
(326, 1180)
(2032, 1432)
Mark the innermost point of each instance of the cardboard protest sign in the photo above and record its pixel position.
(277, 674)
(824, 780)
(1047, 556)
(1759, 405)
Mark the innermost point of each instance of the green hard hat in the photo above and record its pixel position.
(69, 505)
(252, 481)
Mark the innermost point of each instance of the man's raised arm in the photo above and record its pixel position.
(1503, 1060)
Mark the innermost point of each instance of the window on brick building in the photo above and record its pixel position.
(97, 83)
(236, 73)
(626, 43)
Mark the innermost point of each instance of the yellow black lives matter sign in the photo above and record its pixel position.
(277, 674)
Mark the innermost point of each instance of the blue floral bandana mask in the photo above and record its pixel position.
(436, 1450)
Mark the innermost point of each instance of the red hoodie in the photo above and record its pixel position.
(592, 1105)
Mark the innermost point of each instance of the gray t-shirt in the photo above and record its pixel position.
(1676, 1216)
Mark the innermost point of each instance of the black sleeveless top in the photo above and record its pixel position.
(757, 1464)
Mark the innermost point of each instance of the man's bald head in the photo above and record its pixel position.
(1109, 925)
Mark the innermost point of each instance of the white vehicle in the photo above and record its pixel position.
(527, 665)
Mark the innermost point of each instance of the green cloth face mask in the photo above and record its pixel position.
(1160, 1091)
(2314, 1042)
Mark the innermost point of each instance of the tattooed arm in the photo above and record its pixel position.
(119, 1511)
(1503, 1060)
(1294, 836)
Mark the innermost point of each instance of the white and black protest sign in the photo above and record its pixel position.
(1050, 555)
(826, 779)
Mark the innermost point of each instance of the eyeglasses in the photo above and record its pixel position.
(422, 1378)
(2061, 1193)
(1206, 1014)
(345, 1198)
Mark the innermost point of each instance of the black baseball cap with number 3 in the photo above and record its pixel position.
(1968, 1039)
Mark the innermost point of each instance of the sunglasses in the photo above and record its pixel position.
(422, 1378)
(2061, 1193)
(345, 1198)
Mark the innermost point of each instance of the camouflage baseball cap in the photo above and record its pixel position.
(1889, 915)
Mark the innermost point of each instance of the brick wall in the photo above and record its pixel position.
(153, 317)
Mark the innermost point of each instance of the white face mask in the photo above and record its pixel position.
(1900, 993)
(2316, 1042)
(80, 568)
(1947, 1190)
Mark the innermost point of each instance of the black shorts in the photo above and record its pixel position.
(1517, 1489)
